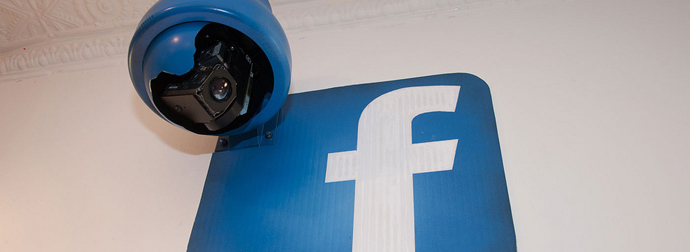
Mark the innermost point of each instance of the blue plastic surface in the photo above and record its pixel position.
(154, 38)
(172, 51)
(275, 198)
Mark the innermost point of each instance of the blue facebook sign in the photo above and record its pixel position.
(409, 165)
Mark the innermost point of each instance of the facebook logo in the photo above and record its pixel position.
(408, 165)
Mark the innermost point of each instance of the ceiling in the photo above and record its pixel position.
(44, 36)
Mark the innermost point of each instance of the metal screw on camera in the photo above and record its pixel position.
(223, 142)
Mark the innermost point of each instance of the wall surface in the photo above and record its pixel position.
(590, 100)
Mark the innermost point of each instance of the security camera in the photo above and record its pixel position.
(215, 67)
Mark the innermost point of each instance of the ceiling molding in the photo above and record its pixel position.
(40, 37)
(24, 23)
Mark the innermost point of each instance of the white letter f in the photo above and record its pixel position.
(383, 164)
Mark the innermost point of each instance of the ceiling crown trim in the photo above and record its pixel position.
(39, 37)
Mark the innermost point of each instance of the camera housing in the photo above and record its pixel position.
(212, 67)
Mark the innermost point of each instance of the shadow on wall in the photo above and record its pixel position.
(175, 137)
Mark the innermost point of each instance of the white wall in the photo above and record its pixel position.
(590, 101)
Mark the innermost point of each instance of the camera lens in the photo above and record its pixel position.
(220, 88)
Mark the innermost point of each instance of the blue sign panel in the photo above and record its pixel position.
(408, 165)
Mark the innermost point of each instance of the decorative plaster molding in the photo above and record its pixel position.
(27, 22)
(45, 56)
(44, 36)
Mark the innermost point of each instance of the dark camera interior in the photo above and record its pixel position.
(230, 81)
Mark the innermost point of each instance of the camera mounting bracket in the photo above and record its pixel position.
(262, 136)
